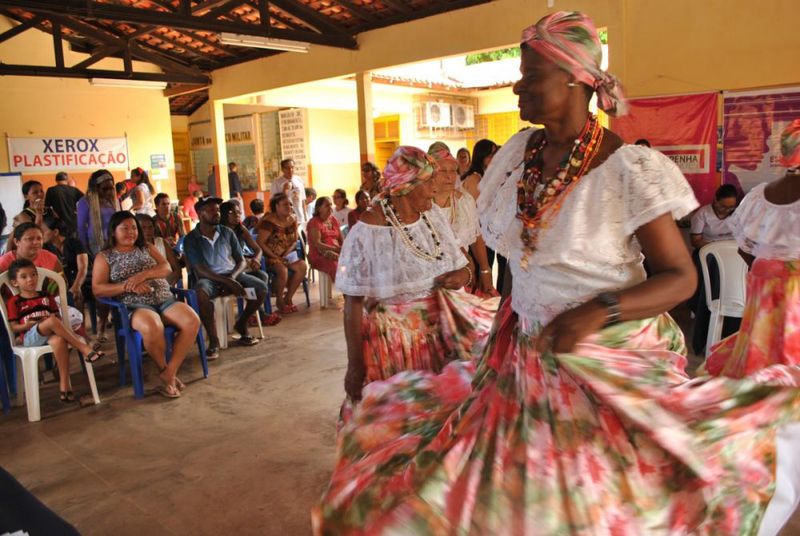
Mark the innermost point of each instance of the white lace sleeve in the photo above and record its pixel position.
(466, 226)
(766, 230)
(375, 262)
(653, 186)
(497, 204)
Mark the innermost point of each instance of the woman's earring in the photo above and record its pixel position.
(571, 84)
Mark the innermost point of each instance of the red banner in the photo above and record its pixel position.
(684, 128)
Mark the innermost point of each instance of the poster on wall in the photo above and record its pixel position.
(294, 140)
(752, 126)
(40, 155)
(684, 128)
(239, 145)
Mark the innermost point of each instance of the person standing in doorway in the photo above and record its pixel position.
(234, 184)
(211, 181)
(291, 185)
(63, 200)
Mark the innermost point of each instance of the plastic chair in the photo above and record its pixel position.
(130, 339)
(325, 289)
(732, 286)
(222, 311)
(29, 356)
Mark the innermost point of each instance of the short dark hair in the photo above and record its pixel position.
(159, 197)
(27, 185)
(341, 192)
(224, 211)
(22, 228)
(116, 219)
(257, 205)
(275, 199)
(18, 265)
(56, 224)
(285, 161)
(726, 191)
(360, 194)
(642, 141)
(318, 204)
(231, 165)
(143, 216)
(311, 192)
(61, 176)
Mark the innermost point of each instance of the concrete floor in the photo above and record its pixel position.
(246, 451)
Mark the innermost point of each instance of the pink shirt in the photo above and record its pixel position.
(44, 259)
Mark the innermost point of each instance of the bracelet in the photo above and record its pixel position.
(611, 301)
(469, 271)
(487, 271)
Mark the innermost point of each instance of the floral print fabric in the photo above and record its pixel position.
(613, 438)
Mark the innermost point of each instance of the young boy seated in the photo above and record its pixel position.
(34, 316)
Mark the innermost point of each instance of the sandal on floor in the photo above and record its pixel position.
(94, 356)
(179, 384)
(168, 391)
(272, 319)
(66, 397)
(96, 346)
(102, 338)
(248, 340)
(286, 310)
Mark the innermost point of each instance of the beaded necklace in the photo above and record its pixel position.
(539, 196)
(406, 236)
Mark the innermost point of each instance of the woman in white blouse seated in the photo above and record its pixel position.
(461, 211)
(398, 269)
(710, 222)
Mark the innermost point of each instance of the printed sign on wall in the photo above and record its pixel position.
(35, 155)
(294, 140)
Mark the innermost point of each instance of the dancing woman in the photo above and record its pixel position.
(579, 418)
(398, 270)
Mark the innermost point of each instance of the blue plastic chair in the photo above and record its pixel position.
(128, 338)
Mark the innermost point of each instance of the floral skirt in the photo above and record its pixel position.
(612, 438)
(770, 329)
(425, 333)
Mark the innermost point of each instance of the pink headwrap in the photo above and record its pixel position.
(441, 153)
(790, 145)
(569, 39)
(406, 169)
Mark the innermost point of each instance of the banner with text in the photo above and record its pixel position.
(753, 122)
(37, 155)
(294, 140)
(684, 128)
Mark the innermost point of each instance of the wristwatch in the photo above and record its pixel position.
(611, 302)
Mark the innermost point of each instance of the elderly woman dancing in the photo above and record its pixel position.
(399, 269)
(579, 417)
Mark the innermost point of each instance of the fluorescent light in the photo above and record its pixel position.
(137, 84)
(270, 43)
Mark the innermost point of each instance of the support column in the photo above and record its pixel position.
(219, 148)
(366, 123)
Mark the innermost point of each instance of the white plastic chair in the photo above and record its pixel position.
(29, 356)
(222, 310)
(732, 284)
(325, 289)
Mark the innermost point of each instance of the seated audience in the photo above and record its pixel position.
(257, 209)
(215, 258)
(464, 160)
(277, 237)
(148, 226)
(324, 239)
(133, 272)
(187, 205)
(168, 225)
(73, 258)
(231, 217)
(63, 201)
(310, 200)
(341, 211)
(34, 316)
(362, 204)
(125, 201)
(142, 194)
(709, 223)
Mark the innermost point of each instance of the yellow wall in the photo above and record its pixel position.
(334, 153)
(33, 106)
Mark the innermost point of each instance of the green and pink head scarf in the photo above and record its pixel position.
(569, 39)
(407, 168)
(790, 145)
(441, 152)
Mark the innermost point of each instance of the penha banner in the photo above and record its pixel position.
(684, 128)
(36, 155)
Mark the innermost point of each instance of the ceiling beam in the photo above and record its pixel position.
(280, 18)
(87, 9)
(97, 54)
(223, 9)
(21, 27)
(38, 70)
(308, 15)
(356, 10)
(176, 91)
(58, 47)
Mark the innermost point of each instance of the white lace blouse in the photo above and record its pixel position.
(376, 263)
(464, 221)
(766, 230)
(590, 246)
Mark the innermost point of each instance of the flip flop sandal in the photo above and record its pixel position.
(102, 338)
(66, 397)
(247, 340)
(168, 391)
(286, 310)
(179, 384)
(94, 356)
(272, 319)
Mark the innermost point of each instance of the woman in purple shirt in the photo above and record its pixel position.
(94, 212)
